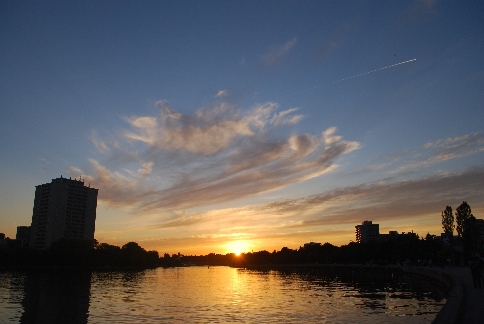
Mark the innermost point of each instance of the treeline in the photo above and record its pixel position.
(81, 254)
(394, 251)
(87, 254)
(469, 229)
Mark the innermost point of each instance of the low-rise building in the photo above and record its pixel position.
(23, 235)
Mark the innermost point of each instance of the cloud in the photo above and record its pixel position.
(182, 221)
(219, 154)
(402, 199)
(146, 168)
(208, 132)
(100, 145)
(284, 117)
(468, 140)
(221, 93)
(380, 201)
(45, 161)
(116, 188)
(446, 149)
(276, 54)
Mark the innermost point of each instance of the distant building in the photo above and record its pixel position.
(390, 236)
(3, 241)
(311, 245)
(64, 208)
(394, 235)
(367, 231)
(23, 235)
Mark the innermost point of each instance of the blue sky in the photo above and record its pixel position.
(219, 126)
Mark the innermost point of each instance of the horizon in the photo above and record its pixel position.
(238, 126)
(237, 248)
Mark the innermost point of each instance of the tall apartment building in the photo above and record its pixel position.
(367, 232)
(64, 208)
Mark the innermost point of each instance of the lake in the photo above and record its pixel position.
(211, 295)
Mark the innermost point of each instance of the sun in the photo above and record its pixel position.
(237, 247)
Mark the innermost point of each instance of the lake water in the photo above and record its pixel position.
(210, 295)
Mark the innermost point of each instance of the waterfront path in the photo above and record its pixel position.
(473, 311)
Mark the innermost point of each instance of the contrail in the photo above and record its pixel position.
(351, 77)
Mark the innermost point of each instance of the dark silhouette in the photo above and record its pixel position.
(78, 253)
(475, 264)
(60, 296)
(462, 214)
(394, 251)
(466, 227)
(448, 220)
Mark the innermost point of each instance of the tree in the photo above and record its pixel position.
(448, 220)
(466, 223)
(462, 214)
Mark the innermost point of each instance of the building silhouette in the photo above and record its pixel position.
(23, 235)
(63, 208)
(367, 231)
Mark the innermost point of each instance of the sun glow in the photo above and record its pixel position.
(237, 247)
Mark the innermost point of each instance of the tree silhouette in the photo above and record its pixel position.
(448, 220)
(462, 215)
(467, 224)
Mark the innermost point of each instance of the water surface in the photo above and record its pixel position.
(210, 295)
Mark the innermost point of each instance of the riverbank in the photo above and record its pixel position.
(465, 302)
(455, 308)
(472, 300)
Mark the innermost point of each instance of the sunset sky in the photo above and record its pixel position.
(224, 126)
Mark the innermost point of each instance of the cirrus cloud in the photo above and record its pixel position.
(219, 154)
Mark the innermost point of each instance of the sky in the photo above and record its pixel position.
(238, 126)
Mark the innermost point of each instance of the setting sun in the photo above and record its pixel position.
(237, 247)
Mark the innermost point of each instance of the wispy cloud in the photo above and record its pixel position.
(468, 140)
(444, 150)
(277, 53)
(221, 93)
(285, 117)
(98, 143)
(383, 200)
(389, 200)
(219, 154)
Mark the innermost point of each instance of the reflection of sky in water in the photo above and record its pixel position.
(215, 294)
